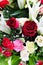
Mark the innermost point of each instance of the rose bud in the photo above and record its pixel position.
(7, 53)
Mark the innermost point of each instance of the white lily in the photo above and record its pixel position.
(21, 3)
(22, 21)
(36, 9)
(40, 28)
(3, 25)
(33, 11)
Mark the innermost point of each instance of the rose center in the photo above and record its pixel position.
(30, 28)
(39, 40)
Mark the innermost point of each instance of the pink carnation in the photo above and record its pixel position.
(18, 45)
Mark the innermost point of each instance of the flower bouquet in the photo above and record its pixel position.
(21, 32)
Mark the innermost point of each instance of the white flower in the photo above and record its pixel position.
(30, 47)
(21, 3)
(39, 41)
(3, 25)
(24, 55)
(40, 26)
(33, 11)
(22, 21)
(41, 22)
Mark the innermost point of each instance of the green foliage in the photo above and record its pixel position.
(13, 10)
(15, 60)
(3, 60)
(32, 60)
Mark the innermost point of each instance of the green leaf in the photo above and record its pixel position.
(3, 60)
(32, 60)
(1, 36)
(17, 12)
(40, 57)
(15, 60)
(20, 13)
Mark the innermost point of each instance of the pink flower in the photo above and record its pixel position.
(18, 45)
(41, 10)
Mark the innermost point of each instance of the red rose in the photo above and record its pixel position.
(39, 62)
(11, 46)
(7, 53)
(7, 44)
(29, 28)
(13, 23)
(3, 3)
(0, 49)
